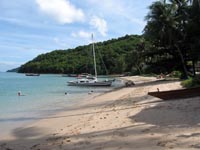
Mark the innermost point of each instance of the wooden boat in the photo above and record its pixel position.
(176, 94)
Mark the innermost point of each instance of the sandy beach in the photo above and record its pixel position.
(123, 119)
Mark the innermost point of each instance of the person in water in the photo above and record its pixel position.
(19, 93)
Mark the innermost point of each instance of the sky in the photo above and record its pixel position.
(32, 27)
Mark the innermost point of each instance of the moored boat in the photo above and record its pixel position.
(89, 80)
(32, 74)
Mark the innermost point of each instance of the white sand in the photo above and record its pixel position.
(123, 119)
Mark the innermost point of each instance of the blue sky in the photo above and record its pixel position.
(32, 27)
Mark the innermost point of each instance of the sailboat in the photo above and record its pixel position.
(91, 80)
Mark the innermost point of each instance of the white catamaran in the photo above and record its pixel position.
(91, 80)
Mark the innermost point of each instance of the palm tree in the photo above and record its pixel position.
(166, 25)
(194, 31)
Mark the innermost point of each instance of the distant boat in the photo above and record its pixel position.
(32, 74)
(87, 79)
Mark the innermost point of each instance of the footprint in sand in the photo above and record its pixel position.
(168, 143)
(196, 146)
(145, 130)
(120, 134)
(4, 146)
(34, 146)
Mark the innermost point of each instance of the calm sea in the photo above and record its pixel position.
(42, 95)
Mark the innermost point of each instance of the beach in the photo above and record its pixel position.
(123, 119)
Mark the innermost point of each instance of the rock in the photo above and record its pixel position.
(129, 83)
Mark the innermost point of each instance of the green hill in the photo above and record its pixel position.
(113, 56)
(13, 70)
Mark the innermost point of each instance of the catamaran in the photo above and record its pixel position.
(91, 80)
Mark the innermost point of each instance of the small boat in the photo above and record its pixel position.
(89, 80)
(176, 94)
(32, 74)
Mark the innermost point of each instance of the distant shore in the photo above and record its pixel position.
(125, 118)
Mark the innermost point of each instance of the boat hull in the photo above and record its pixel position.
(176, 94)
(32, 74)
(107, 83)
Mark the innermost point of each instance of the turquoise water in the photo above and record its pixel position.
(43, 95)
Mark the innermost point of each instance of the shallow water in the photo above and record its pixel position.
(41, 96)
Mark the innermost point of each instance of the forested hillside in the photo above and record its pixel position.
(113, 56)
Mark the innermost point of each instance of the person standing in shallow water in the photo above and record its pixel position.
(19, 93)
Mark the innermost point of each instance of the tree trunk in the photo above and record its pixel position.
(193, 68)
(182, 62)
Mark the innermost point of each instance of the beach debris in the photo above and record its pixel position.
(129, 83)
(90, 92)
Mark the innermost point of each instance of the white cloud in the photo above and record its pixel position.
(119, 9)
(100, 24)
(61, 10)
(82, 34)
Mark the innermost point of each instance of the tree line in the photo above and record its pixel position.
(112, 56)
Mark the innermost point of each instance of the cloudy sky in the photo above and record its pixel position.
(32, 27)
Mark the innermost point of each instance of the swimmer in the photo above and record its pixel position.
(19, 93)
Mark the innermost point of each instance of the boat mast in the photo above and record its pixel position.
(95, 67)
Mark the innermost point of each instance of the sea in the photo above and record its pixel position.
(41, 96)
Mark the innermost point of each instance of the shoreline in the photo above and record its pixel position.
(126, 118)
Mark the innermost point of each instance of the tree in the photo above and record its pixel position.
(167, 27)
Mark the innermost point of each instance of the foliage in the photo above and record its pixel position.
(13, 70)
(191, 82)
(111, 57)
(176, 74)
(172, 29)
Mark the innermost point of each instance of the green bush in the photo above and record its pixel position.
(191, 82)
(176, 74)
